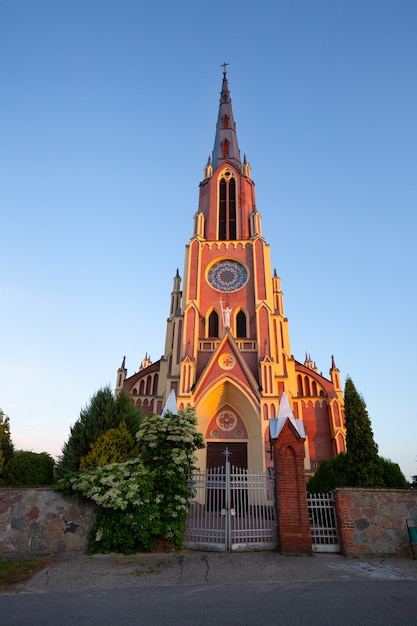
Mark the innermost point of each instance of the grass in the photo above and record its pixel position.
(14, 571)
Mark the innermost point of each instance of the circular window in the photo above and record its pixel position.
(227, 276)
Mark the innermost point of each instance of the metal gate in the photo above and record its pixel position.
(232, 509)
(323, 524)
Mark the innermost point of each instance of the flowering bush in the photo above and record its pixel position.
(146, 498)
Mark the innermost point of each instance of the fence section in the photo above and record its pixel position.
(323, 524)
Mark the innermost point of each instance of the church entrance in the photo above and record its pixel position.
(232, 508)
(216, 454)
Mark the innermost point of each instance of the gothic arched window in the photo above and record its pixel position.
(241, 325)
(227, 207)
(213, 324)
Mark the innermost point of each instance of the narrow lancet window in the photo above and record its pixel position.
(227, 208)
(222, 209)
(213, 324)
(241, 325)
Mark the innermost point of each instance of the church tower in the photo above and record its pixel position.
(227, 349)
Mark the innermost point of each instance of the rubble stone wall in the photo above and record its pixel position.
(38, 520)
(373, 521)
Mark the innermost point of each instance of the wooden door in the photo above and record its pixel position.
(238, 454)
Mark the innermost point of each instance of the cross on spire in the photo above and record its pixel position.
(224, 65)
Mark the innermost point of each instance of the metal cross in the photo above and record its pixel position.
(224, 65)
(226, 453)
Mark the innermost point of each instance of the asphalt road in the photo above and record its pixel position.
(216, 588)
(320, 603)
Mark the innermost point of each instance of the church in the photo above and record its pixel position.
(227, 348)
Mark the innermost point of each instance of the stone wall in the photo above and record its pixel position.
(40, 521)
(372, 521)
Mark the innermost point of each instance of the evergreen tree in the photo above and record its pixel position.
(117, 445)
(6, 444)
(362, 451)
(360, 466)
(102, 413)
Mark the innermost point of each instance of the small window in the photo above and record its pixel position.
(213, 324)
(241, 325)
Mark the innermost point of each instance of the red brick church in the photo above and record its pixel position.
(227, 347)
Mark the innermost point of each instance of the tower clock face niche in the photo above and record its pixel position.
(227, 276)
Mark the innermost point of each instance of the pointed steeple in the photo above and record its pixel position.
(171, 404)
(285, 412)
(225, 143)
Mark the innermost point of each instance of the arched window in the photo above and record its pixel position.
(225, 149)
(232, 209)
(222, 209)
(148, 385)
(241, 325)
(227, 207)
(213, 324)
(300, 385)
(225, 121)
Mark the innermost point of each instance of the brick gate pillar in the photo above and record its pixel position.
(290, 488)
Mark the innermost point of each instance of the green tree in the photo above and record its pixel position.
(362, 451)
(6, 444)
(115, 446)
(102, 413)
(360, 466)
(392, 475)
(331, 473)
(29, 469)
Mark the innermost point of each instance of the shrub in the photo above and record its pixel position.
(337, 472)
(115, 446)
(331, 473)
(146, 498)
(392, 475)
(29, 469)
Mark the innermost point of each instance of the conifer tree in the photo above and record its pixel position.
(362, 451)
(6, 444)
(360, 466)
(102, 413)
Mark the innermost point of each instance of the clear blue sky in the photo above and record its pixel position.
(108, 112)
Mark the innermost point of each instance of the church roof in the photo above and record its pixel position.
(225, 130)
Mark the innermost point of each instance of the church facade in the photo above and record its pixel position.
(227, 348)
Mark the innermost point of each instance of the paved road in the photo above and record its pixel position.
(200, 588)
(310, 604)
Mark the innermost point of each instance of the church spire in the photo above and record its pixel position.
(225, 143)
